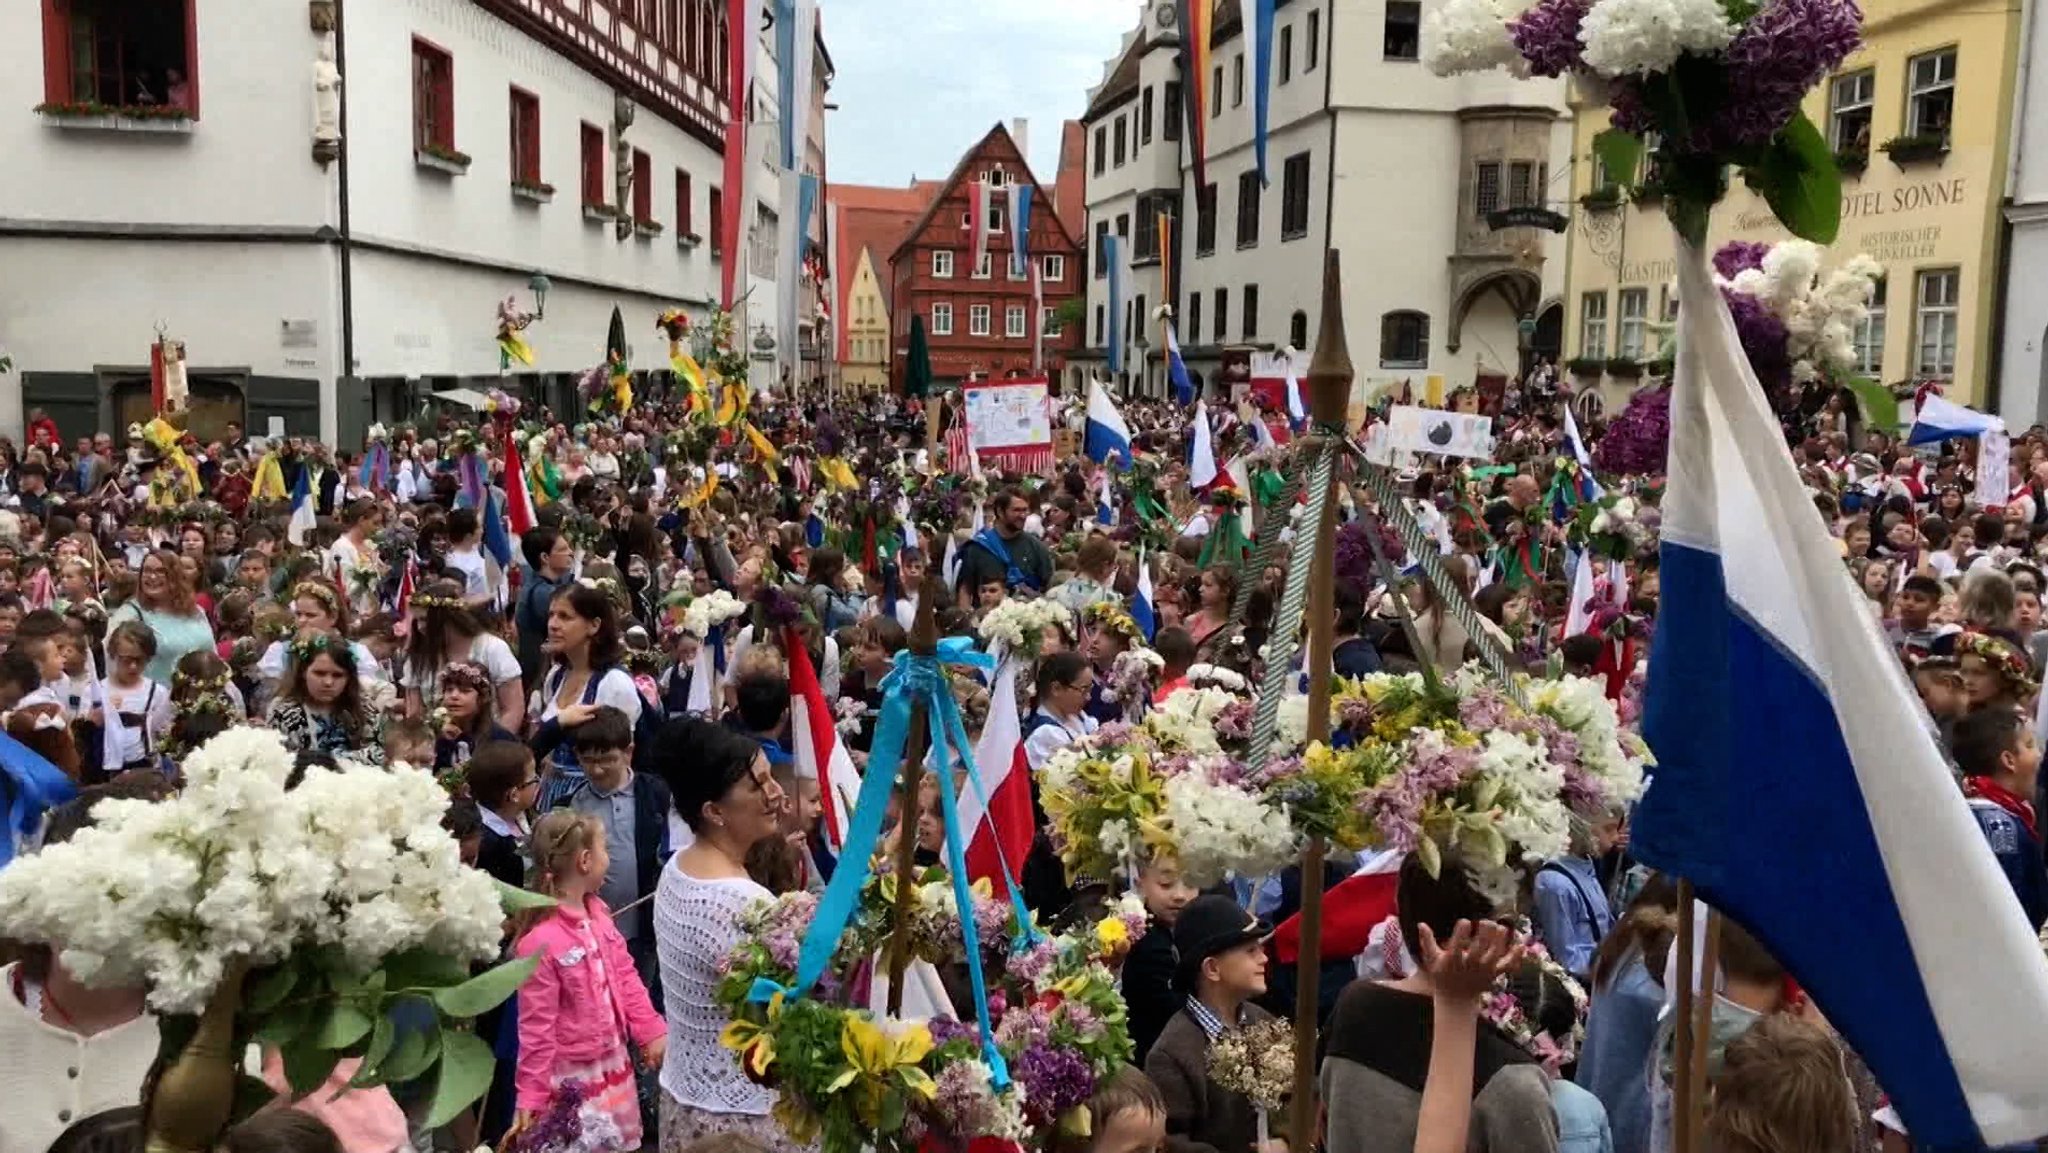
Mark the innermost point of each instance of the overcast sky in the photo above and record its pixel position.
(920, 81)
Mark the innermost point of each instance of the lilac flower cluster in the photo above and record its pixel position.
(1354, 561)
(783, 928)
(1395, 805)
(944, 1029)
(1234, 721)
(1055, 1080)
(1764, 342)
(1775, 60)
(1547, 36)
(1275, 770)
(1031, 965)
(961, 1094)
(1482, 710)
(1354, 714)
(1024, 1026)
(1739, 256)
(1636, 441)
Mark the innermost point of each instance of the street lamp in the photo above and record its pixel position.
(539, 285)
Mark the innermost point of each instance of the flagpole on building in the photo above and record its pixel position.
(1330, 377)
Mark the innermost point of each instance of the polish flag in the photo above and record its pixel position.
(1350, 910)
(977, 221)
(1004, 821)
(402, 608)
(818, 752)
(518, 500)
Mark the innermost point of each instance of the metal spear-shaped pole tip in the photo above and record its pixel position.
(1330, 373)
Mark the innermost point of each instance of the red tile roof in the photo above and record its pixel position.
(874, 219)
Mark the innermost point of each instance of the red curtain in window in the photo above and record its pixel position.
(683, 213)
(643, 186)
(593, 165)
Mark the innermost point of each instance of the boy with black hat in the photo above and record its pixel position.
(1222, 968)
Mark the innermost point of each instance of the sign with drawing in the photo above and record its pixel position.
(1435, 432)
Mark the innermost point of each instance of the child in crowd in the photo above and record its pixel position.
(1126, 1114)
(138, 710)
(410, 740)
(1222, 968)
(1782, 1089)
(583, 1011)
(1148, 973)
(2000, 763)
(802, 806)
(632, 809)
(502, 781)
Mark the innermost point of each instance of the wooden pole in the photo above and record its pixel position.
(924, 641)
(1702, 1034)
(1682, 1104)
(1329, 382)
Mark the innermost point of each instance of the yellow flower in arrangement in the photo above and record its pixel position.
(1111, 936)
(754, 1041)
(880, 1062)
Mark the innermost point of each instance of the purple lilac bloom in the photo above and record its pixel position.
(1354, 714)
(1275, 770)
(1763, 342)
(1547, 35)
(944, 1029)
(1054, 1080)
(1636, 441)
(1775, 60)
(1024, 1027)
(962, 1098)
(1395, 806)
(1234, 721)
(1740, 256)
(1034, 963)
(1080, 1018)
(1483, 711)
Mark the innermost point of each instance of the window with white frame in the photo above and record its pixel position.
(942, 264)
(1014, 321)
(1055, 269)
(1593, 326)
(942, 319)
(978, 319)
(1868, 340)
(1931, 93)
(984, 268)
(1934, 322)
(1016, 269)
(1849, 100)
(1635, 310)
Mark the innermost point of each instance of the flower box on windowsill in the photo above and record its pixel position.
(533, 193)
(647, 229)
(1586, 365)
(444, 160)
(1852, 161)
(688, 240)
(155, 119)
(1602, 199)
(599, 213)
(1909, 150)
(1624, 367)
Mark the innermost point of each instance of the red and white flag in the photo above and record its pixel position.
(1004, 822)
(816, 739)
(977, 221)
(518, 499)
(1350, 910)
(402, 607)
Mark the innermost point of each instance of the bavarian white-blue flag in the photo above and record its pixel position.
(1797, 782)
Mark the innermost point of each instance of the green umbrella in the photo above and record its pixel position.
(917, 370)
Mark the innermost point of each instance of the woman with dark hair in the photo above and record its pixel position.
(446, 630)
(824, 592)
(1213, 595)
(321, 705)
(316, 608)
(724, 792)
(167, 605)
(1378, 1042)
(586, 651)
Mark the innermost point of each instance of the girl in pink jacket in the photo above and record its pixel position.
(584, 1008)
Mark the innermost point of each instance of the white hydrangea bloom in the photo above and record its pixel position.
(1220, 828)
(1643, 37)
(1467, 36)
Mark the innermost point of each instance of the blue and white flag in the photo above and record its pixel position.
(1798, 784)
(1141, 601)
(304, 515)
(1202, 453)
(1113, 257)
(1297, 412)
(1177, 371)
(1020, 227)
(1105, 437)
(1942, 419)
(1589, 488)
(1105, 503)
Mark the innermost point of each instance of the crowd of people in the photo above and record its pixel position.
(604, 743)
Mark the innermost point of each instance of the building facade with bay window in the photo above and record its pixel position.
(1918, 119)
(177, 171)
(1367, 153)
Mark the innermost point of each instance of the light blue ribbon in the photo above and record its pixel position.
(914, 679)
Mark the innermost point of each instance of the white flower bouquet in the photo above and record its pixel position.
(1019, 625)
(338, 898)
(710, 611)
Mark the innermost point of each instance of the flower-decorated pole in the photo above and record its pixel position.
(1329, 385)
(924, 642)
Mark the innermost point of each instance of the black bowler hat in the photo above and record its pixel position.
(1211, 925)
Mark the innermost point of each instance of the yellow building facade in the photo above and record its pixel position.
(866, 364)
(1920, 120)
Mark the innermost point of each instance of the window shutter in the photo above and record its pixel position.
(57, 88)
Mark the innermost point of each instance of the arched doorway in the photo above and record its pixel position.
(1548, 342)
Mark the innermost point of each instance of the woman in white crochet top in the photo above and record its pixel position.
(724, 792)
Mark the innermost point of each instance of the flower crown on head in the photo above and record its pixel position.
(430, 601)
(1114, 617)
(1505, 1012)
(2012, 665)
(325, 594)
(465, 675)
(304, 649)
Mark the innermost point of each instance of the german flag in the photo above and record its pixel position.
(1197, 24)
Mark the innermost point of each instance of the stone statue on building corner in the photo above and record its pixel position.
(326, 103)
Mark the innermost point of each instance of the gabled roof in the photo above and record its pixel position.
(870, 220)
(1122, 80)
(1000, 133)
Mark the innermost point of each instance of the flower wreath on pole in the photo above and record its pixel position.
(847, 1077)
